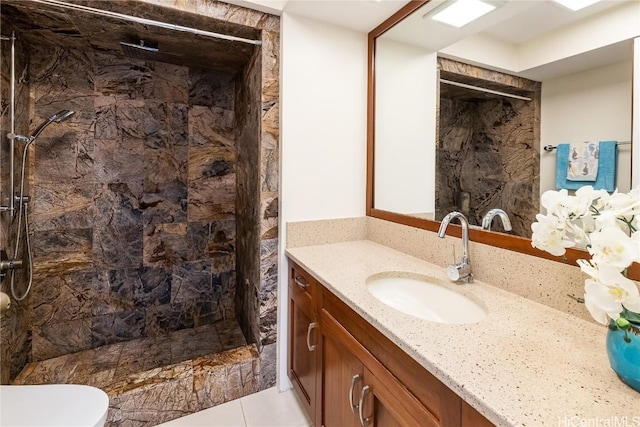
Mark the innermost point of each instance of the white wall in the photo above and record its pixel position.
(406, 98)
(323, 134)
(636, 117)
(483, 50)
(593, 105)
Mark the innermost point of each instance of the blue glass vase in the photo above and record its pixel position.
(623, 349)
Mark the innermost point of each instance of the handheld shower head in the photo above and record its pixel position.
(62, 115)
(58, 117)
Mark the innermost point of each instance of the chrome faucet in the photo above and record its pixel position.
(488, 219)
(458, 272)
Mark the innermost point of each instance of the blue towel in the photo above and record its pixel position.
(607, 166)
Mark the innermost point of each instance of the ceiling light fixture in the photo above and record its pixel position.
(461, 12)
(576, 4)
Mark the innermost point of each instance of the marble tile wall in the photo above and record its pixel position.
(134, 199)
(258, 144)
(248, 196)
(14, 327)
(488, 148)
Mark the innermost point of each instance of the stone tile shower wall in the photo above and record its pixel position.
(14, 326)
(134, 200)
(489, 148)
(139, 228)
(256, 299)
(258, 291)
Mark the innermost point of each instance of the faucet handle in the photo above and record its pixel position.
(460, 272)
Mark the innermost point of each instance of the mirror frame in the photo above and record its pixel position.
(500, 240)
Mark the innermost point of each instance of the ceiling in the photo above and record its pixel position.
(358, 15)
(514, 24)
(39, 23)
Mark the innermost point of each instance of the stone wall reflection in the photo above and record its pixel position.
(488, 148)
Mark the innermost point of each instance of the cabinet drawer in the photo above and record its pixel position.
(302, 281)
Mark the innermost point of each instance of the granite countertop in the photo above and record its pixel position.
(525, 364)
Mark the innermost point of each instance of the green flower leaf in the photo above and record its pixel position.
(631, 316)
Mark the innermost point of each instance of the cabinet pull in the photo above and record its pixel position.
(354, 380)
(312, 326)
(363, 421)
(299, 282)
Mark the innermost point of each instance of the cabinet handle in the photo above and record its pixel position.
(299, 282)
(311, 327)
(354, 380)
(363, 421)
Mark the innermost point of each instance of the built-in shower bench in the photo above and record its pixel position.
(153, 380)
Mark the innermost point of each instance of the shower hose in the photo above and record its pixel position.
(23, 213)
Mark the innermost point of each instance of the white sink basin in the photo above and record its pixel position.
(420, 297)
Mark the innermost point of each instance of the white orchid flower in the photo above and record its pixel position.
(606, 299)
(607, 219)
(553, 200)
(588, 268)
(612, 246)
(580, 204)
(608, 225)
(610, 276)
(625, 204)
(580, 236)
(549, 236)
(598, 315)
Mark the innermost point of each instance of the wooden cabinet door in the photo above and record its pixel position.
(342, 376)
(472, 418)
(379, 399)
(357, 390)
(303, 334)
(384, 406)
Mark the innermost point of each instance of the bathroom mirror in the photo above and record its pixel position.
(582, 65)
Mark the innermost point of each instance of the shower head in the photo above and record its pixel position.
(58, 117)
(145, 51)
(62, 115)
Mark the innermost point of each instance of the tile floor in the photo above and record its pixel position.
(268, 408)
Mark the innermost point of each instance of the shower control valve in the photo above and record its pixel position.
(23, 199)
(7, 264)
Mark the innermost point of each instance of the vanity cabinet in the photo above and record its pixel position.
(302, 360)
(357, 390)
(355, 376)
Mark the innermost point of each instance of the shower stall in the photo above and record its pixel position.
(152, 208)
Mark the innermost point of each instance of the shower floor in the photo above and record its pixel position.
(153, 380)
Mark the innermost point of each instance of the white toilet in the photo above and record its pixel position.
(54, 405)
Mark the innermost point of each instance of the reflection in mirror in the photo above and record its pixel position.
(487, 149)
(461, 114)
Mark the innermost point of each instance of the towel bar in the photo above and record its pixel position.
(549, 148)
